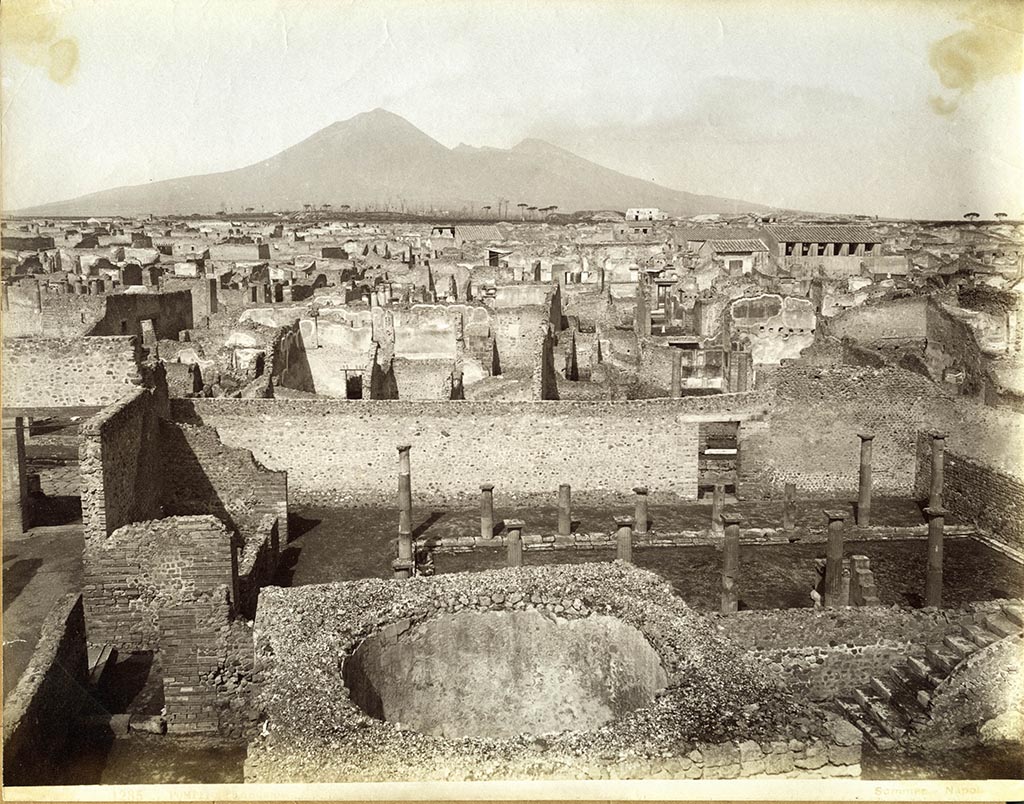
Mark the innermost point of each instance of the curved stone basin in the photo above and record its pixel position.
(501, 673)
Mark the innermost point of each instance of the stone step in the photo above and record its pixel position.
(942, 658)
(923, 671)
(885, 717)
(1000, 626)
(859, 718)
(981, 637)
(906, 683)
(962, 647)
(882, 688)
(1014, 614)
(910, 708)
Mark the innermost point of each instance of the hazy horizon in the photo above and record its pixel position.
(908, 110)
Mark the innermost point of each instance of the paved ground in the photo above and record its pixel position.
(37, 569)
(342, 544)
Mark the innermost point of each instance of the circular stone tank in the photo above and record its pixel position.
(501, 673)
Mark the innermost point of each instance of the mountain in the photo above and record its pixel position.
(379, 157)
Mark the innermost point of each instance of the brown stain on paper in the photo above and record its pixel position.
(30, 29)
(992, 45)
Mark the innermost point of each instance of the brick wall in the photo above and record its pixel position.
(337, 451)
(40, 711)
(952, 344)
(119, 464)
(810, 436)
(124, 312)
(69, 372)
(202, 475)
(991, 499)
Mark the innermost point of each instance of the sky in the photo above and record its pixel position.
(896, 108)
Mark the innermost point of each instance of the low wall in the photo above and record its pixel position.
(825, 653)
(69, 372)
(40, 711)
(344, 452)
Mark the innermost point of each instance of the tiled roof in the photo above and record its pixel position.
(822, 234)
(484, 232)
(737, 245)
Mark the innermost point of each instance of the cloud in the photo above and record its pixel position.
(30, 31)
(992, 45)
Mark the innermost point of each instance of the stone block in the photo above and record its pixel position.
(843, 732)
(716, 755)
(844, 754)
(779, 763)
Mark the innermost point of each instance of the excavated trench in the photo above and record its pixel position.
(501, 673)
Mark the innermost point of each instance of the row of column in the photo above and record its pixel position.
(726, 523)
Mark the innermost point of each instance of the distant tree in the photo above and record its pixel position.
(306, 207)
(325, 206)
(522, 210)
(250, 209)
(972, 216)
(1000, 215)
(486, 209)
(345, 207)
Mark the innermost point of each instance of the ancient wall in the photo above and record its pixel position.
(201, 475)
(519, 334)
(289, 364)
(336, 451)
(120, 466)
(69, 372)
(125, 312)
(991, 499)
(426, 378)
(811, 435)
(952, 346)
(902, 318)
(49, 314)
(39, 713)
(145, 568)
(829, 652)
(778, 327)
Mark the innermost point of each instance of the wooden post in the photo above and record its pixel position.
(624, 538)
(864, 496)
(933, 580)
(403, 565)
(564, 509)
(641, 509)
(514, 542)
(834, 558)
(730, 562)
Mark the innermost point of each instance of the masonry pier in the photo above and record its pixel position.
(834, 558)
(640, 514)
(515, 541)
(933, 580)
(564, 509)
(864, 496)
(730, 562)
(487, 511)
(624, 538)
(403, 565)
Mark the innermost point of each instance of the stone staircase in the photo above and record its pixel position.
(886, 709)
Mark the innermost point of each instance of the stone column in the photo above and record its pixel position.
(403, 565)
(717, 503)
(677, 373)
(38, 293)
(864, 496)
(730, 562)
(5, 304)
(564, 510)
(16, 513)
(834, 558)
(211, 296)
(487, 511)
(933, 580)
(515, 541)
(624, 538)
(640, 512)
(938, 458)
(789, 507)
